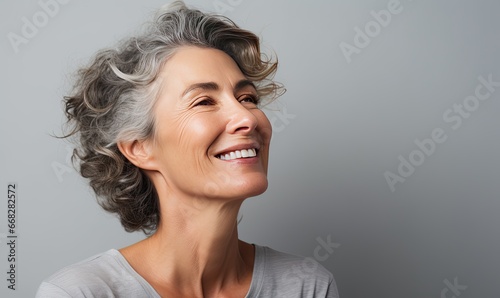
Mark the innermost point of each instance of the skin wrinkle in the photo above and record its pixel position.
(184, 139)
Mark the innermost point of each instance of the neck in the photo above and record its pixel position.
(196, 248)
(200, 243)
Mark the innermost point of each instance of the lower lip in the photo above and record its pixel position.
(247, 160)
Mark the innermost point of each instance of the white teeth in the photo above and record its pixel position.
(244, 153)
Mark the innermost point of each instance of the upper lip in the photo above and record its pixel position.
(253, 145)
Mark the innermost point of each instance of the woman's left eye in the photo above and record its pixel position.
(249, 98)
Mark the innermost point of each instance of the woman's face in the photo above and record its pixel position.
(211, 140)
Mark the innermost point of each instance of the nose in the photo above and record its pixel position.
(240, 119)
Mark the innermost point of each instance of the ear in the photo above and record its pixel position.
(138, 153)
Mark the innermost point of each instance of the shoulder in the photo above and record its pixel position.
(103, 275)
(288, 275)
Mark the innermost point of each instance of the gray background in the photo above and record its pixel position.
(340, 128)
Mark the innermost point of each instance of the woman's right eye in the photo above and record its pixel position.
(204, 102)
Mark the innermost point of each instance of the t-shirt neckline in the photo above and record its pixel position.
(253, 290)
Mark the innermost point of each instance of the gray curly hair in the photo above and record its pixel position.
(113, 99)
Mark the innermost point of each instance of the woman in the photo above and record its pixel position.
(172, 139)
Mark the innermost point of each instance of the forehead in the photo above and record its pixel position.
(191, 65)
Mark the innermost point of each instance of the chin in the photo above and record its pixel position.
(252, 188)
(259, 189)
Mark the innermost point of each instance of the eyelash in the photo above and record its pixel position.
(254, 99)
(208, 101)
(204, 102)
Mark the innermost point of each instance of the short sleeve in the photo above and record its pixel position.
(332, 291)
(48, 290)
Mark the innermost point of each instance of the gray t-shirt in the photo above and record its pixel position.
(275, 274)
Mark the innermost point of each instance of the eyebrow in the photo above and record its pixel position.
(214, 87)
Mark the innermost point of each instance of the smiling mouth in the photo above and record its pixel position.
(238, 154)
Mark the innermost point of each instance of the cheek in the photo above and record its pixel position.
(189, 131)
(183, 143)
(264, 126)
